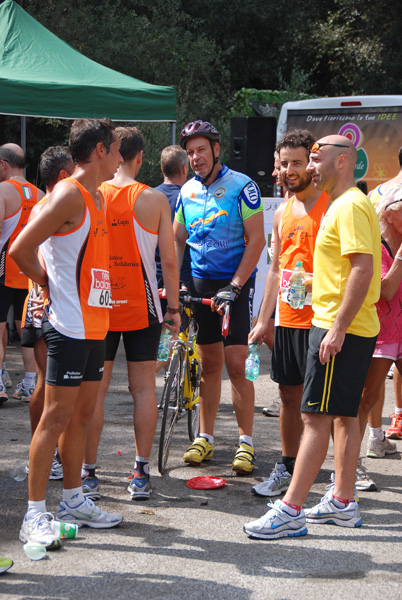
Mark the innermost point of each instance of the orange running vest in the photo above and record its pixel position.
(10, 274)
(136, 303)
(298, 237)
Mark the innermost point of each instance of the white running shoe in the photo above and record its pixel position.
(3, 392)
(6, 379)
(326, 512)
(87, 514)
(23, 393)
(140, 487)
(378, 449)
(276, 484)
(277, 523)
(56, 472)
(38, 530)
(274, 409)
(363, 482)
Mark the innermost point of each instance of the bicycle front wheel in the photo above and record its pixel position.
(170, 406)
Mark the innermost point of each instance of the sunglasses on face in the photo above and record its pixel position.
(317, 145)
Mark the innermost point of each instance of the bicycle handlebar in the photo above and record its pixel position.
(186, 298)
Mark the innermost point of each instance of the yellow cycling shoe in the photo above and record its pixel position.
(244, 460)
(199, 450)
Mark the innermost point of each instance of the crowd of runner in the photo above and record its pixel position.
(81, 265)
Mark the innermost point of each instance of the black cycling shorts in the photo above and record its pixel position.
(289, 355)
(140, 344)
(11, 297)
(71, 361)
(210, 323)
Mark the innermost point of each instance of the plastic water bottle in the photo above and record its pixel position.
(252, 366)
(164, 344)
(20, 470)
(297, 290)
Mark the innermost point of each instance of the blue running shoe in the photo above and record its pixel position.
(140, 487)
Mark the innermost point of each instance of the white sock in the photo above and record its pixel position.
(247, 439)
(35, 507)
(29, 379)
(398, 411)
(73, 496)
(377, 433)
(208, 437)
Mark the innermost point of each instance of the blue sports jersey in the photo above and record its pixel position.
(214, 217)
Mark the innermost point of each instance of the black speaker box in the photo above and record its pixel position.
(252, 146)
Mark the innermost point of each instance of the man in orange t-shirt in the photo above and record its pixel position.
(295, 227)
(17, 198)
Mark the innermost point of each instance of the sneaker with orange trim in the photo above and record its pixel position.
(395, 431)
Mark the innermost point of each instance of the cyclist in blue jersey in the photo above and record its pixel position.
(219, 216)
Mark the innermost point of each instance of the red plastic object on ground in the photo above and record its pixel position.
(206, 483)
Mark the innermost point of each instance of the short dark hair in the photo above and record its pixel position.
(52, 161)
(131, 142)
(296, 138)
(400, 156)
(16, 161)
(173, 159)
(86, 133)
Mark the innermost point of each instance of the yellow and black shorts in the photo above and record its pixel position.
(336, 387)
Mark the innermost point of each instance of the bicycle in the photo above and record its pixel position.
(181, 391)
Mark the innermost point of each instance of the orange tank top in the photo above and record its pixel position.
(77, 264)
(298, 237)
(136, 303)
(10, 274)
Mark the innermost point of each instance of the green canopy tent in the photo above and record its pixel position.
(42, 76)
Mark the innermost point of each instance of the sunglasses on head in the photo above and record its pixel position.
(317, 145)
(393, 202)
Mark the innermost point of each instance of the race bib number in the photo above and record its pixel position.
(284, 286)
(100, 294)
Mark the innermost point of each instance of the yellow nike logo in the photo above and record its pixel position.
(312, 403)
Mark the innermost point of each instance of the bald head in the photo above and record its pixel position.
(13, 155)
(332, 165)
(339, 144)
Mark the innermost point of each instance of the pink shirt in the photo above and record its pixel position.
(389, 311)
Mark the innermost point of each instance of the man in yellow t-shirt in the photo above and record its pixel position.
(346, 285)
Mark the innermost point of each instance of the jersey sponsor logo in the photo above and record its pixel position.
(72, 375)
(220, 192)
(250, 195)
(117, 222)
(203, 227)
(193, 195)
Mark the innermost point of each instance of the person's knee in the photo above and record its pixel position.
(291, 395)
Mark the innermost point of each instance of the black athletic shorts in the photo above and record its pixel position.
(11, 297)
(30, 335)
(139, 344)
(71, 361)
(336, 387)
(289, 355)
(210, 323)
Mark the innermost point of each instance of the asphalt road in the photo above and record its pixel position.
(189, 544)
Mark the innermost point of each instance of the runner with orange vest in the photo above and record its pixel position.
(17, 198)
(295, 226)
(138, 220)
(71, 231)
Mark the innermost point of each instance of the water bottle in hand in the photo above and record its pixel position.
(252, 366)
(164, 344)
(297, 290)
